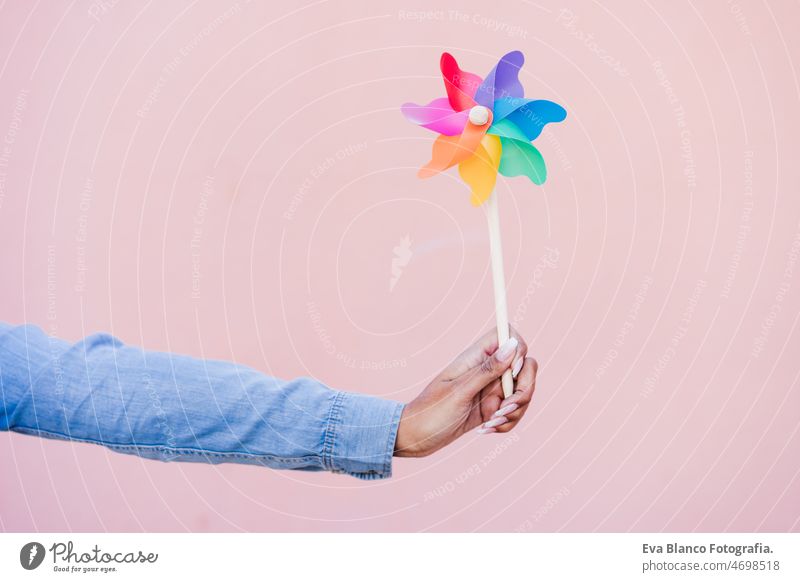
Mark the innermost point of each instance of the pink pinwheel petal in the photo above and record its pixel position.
(502, 82)
(460, 85)
(437, 116)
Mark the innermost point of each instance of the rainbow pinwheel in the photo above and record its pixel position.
(485, 126)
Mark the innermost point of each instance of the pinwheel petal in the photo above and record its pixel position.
(480, 170)
(508, 129)
(522, 159)
(494, 148)
(437, 116)
(449, 150)
(460, 85)
(505, 105)
(502, 81)
(529, 115)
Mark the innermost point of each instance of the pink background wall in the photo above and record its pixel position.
(230, 181)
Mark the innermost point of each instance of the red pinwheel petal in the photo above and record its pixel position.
(461, 86)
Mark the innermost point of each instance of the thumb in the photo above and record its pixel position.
(491, 368)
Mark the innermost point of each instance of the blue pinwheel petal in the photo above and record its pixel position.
(505, 105)
(502, 81)
(528, 114)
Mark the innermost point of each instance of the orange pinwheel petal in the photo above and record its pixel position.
(480, 170)
(449, 150)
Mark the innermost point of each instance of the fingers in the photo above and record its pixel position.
(490, 369)
(512, 409)
(490, 398)
(522, 351)
(525, 384)
(484, 347)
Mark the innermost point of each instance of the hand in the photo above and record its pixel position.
(468, 394)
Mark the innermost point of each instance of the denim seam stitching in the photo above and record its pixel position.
(334, 419)
(178, 451)
(393, 428)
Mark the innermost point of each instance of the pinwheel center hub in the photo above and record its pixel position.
(479, 115)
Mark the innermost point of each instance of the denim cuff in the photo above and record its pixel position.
(360, 435)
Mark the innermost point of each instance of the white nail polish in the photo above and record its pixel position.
(506, 409)
(486, 430)
(517, 367)
(508, 348)
(510, 400)
(495, 422)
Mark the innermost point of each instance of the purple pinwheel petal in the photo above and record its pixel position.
(437, 116)
(502, 82)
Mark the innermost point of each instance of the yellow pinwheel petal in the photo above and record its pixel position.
(479, 171)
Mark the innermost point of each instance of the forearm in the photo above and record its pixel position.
(173, 407)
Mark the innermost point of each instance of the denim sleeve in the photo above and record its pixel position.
(177, 408)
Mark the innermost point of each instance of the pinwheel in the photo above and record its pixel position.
(486, 126)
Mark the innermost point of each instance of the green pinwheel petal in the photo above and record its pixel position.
(520, 158)
(506, 128)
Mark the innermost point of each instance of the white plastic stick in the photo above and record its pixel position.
(499, 280)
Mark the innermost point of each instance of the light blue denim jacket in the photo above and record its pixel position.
(176, 408)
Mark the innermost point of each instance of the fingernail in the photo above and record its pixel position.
(495, 422)
(517, 367)
(508, 401)
(508, 348)
(506, 409)
(486, 430)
